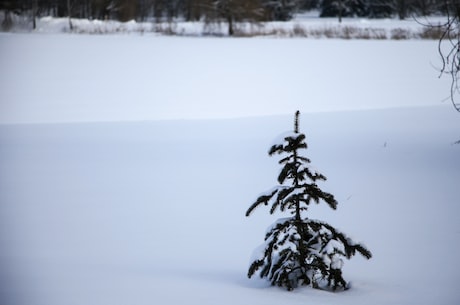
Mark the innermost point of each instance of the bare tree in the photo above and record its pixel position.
(237, 10)
(449, 48)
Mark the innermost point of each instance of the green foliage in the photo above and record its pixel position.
(298, 250)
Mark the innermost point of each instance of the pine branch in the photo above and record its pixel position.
(288, 171)
(317, 195)
(264, 199)
(350, 246)
(292, 142)
(254, 267)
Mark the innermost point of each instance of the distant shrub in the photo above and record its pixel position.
(433, 32)
(400, 34)
(299, 31)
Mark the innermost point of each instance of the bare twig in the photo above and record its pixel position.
(449, 48)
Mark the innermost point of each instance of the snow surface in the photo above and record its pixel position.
(127, 164)
(122, 78)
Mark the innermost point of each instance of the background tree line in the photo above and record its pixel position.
(142, 10)
(385, 8)
(229, 11)
(225, 10)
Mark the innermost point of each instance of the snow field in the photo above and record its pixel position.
(75, 78)
(127, 164)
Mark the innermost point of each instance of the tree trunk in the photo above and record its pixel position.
(7, 23)
(340, 11)
(230, 25)
(402, 10)
(69, 10)
(34, 14)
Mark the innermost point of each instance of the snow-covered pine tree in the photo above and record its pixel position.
(298, 250)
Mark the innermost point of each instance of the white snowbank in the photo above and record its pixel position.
(301, 26)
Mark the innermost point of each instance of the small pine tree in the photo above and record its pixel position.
(297, 250)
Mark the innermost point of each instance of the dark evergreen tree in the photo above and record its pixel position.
(381, 8)
(298, 250)
(280, 10)
(343, 8)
